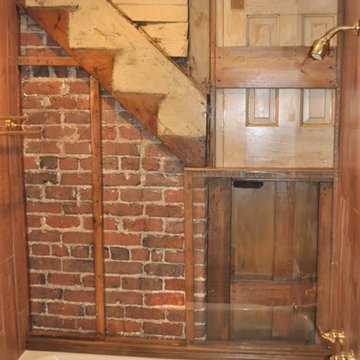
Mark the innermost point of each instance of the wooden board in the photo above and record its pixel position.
(273, 67)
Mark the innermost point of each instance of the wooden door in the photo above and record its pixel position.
(346, 306)
(269, 127)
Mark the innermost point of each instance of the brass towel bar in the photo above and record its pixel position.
(14, 125)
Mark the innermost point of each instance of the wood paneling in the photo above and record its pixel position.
(13, 261)
(219, 259)
(346, 306)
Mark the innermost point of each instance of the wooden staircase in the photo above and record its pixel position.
(130, 66)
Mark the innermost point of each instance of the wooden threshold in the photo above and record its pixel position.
(273, 174)
(179, 350)
(273, 67)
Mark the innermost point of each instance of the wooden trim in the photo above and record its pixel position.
(46, 61)
(273, 67)
(97, 206)
(178, 350)
(219, 252)
(189, 256)
(323, 314)
(273, 174)
(212, 113)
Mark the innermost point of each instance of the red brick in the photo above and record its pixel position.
(164, 211)
(60, 192)
(139, 254)
(41, 178)
(77, 265)
(59, 250)
(64, 323)
(119, 253)
(69, 163)
(78, 238)
(77, 117)
(31, 39)
(78, 87)
(44, 118)
(110, 194)
(174, 196)
(77, 208)
(112, 281)
(173, 166)
(143, 224)
(65, 309)
(108, 133)
(62, 102)
(135, 312)
(43, 147)
(175, 257)
(130, 283)
(37, 279)
(166, 329)
(175, 315)
(114, 327)
(57, 132)
(116, 238)
(31, 102)
(34, 192)
(114, 312)
(45, 263)
(44, 236)
(130, 133)
(123, 298)
(40, 249)
(169, 270)
(121, 179)
(115, 148)
(175, 227)
(63, 222)
(150, 164)
(64, 279)
(135, 195)
(79, 296)
(163, 242)
(37, 307)
(157, 256)
(110, 224)
(40, 292)
(118, 267)
(123, 209)
(130, 163)
(78, 148)
(163, 180)
(76, 179)
(161, 299)
(42, 87)
(48, 208)
(110, 163)
(33, 221)
(30, 162)
(80, 251)
(175, 284)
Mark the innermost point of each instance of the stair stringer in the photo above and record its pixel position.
(129, 66)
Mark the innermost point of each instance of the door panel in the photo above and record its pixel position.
(270, 127)
(274, 242)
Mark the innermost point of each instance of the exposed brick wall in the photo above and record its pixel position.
(143, 211)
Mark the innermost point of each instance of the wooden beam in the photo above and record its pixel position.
(273, 293)
(273, 67)
(274, 174)
(323, 313)
(219, 245)
(97, 206)
(178, 350)
(189, 256)
(46, 61)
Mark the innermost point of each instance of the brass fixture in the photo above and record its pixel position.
(333, 336)
(344, 356)
(321, 47)
(14, 125)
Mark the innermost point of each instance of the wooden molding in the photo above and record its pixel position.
(174, 349)
(46, 61)
(273, 67)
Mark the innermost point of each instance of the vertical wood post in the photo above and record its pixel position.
(189, 256)
(97, 206)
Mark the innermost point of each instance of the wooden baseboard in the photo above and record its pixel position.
(176, 349)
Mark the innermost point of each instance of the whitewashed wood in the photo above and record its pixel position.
(156, 12)
(318, 107)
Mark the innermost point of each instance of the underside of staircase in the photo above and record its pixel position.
(131, 67)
